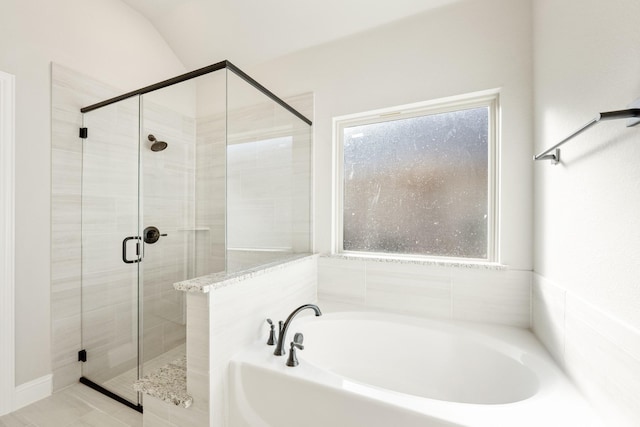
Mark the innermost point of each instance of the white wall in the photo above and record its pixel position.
(465, 47)
(104, 39)
(588, 232)
(587, 246)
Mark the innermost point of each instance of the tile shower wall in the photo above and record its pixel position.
(268, 157)
(70, 92)
(472, 294)
(168, 189)
(209, 227)
(168, 207)
(600, 353)
(267, 186)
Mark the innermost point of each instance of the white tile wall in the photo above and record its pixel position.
(256, 199)
(70, 92)
(341, 281)
(168, 184)
(238, 315)
(471, 294)
(228, 319)
(210, 194)
(492, 296)
(600, 353)
(268, 172)
(198, 353)
(409, 288)
(548, 302)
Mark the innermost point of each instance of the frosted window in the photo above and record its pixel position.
(418, 185)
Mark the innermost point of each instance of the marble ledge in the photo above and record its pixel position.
(168, 384)
(481, 265)
(211, 282)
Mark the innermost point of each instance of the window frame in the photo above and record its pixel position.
(490, 99)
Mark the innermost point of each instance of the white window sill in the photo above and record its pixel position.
(456, 263)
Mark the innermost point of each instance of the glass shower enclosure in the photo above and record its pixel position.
(203, 173)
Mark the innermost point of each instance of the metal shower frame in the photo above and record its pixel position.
(197, 73)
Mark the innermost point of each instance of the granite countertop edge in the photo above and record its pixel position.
(211, 282)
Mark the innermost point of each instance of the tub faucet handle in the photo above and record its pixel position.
(298, 338)
(272, 333)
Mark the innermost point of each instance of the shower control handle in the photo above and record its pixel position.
(152, 234)
(124, 250)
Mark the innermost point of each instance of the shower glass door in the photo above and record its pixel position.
(111, 248)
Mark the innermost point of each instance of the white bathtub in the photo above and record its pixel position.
(373, 369)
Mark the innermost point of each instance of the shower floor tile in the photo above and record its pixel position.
(123, 383)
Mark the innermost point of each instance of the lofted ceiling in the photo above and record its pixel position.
(249, 32)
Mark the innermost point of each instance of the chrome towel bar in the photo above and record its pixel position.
(611, 115)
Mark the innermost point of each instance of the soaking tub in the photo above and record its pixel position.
(381, 370)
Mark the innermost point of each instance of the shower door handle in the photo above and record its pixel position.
(124, 250)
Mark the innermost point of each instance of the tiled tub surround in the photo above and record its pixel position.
(479, 293)
(224, 316)
(600, 353)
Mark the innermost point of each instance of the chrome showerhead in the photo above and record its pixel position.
(157, 145)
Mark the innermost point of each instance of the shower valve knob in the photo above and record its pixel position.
(152, 234)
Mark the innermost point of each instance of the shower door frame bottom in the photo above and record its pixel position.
(110, 394)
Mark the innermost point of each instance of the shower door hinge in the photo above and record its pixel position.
(82, 356)
(84, 132)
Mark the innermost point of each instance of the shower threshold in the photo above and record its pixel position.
(124, 382)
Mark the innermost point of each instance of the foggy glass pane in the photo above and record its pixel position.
(418, 185)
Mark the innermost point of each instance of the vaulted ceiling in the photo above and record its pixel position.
(249, 32)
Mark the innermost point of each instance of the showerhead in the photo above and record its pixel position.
(157, 145)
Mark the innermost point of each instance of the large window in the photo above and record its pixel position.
(419, 180)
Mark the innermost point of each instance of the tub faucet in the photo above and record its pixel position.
(283, 331)
(296, 343)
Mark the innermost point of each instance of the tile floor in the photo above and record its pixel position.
(75, 406)
(79, 405)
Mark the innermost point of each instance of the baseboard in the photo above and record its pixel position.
(32, 391)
